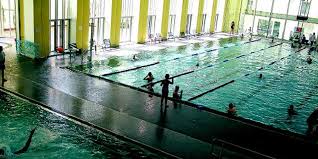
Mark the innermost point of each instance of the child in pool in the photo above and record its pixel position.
(5, 151)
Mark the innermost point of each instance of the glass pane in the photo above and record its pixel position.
(313, 12)
(280, 6)
(264, 5)
(294, 7)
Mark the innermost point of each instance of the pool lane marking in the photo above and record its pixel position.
(185, 73)
(212, 50)
(177, 58)
(209, 91)
(232, 81)
(135, 68)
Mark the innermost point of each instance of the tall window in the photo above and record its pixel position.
(189, 24)
(172, 24)
(154, 16)
(192, 16)
(126, 21)
(206, 17)
(60, 23)
(174, 17)
(99, 20)
(7, 18)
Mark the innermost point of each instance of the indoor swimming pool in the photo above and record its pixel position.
(57, 137)
(213, 74)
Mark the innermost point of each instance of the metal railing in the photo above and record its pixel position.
(236, 149)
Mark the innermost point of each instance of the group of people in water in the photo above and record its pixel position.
(165, 88)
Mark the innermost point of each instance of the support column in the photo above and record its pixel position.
(21, 17)
(184, 15)
(200, 14)
(143, 17)
(165, 19)
(42, 26)
(232, 12)
(115, 23)
(213, 16)
(82, 23)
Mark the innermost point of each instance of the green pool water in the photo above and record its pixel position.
(56, 137)
(289, 80)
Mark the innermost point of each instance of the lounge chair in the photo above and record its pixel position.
(151, 38)
(158, 37)
(171, 36)
(106, 44)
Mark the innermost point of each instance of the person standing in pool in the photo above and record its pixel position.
(231, 110)
(2, 63)
(149, 77)
(312, 121)
(260, 76)
(232, 27)
(150, 89)
(291, 111)
(5, 151)
(165, 88)
(176, 94)
(309, 60)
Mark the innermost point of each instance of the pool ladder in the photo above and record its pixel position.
(235, 150)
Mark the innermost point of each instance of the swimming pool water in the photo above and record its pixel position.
(56, 137)
(288, 79)
(119, 63)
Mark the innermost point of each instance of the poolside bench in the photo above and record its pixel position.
(171, 36)
(106, 44)
(158, 38)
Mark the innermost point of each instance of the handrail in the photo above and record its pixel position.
(240, 148)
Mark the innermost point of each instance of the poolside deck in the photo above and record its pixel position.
(183, 131)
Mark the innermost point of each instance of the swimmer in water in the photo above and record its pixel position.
(232, 109)
(291, 111)
(5, 152)
(197, 64)
(176, 94)
(134, 58)
(309, 60)
(150, 89)
(260, 76)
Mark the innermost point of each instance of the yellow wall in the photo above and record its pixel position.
(184, 14)
(214, 9)
(115, 23)
(42, 26)
(143, 16)
(165, 18)
(21, 16)
(199, 20)
(82, 23)
(231, 13)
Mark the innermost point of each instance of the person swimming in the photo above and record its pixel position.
(273, 39)
(197, 64)
(260, 76)
(149, 77)
(176, 94)
(165, 88)
(231, 109)
(309, 60)
(135, 58)
(6, 152)
(291, 111)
